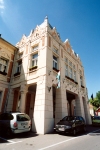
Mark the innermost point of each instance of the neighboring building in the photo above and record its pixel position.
(6, 62)
(33, 85)
(97, 112)
(91, 110)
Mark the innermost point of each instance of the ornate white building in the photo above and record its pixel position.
(33, 85)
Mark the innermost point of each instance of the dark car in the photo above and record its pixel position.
(14, 122)
(71, 124)
(96, 120)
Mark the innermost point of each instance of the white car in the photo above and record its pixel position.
(14, 122)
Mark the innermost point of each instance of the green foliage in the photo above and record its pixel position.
(96, 101)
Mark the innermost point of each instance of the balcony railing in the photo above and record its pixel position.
(33, 68)
(71, 79)
(3, 73)
(55, 69)
(17, 74)
(35, 48)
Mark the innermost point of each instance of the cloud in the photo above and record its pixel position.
(2, 6)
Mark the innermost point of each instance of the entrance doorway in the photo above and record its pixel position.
(71, 103)
(30, 100)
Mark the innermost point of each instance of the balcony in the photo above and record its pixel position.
(33, 68)
(71, 79)
(17, 74)
(82, 86)
(3, 73)
(55, 69)
(35, 48)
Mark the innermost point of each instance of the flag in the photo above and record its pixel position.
(58, 79)
(92, 96)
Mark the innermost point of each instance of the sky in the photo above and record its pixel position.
(76, 20)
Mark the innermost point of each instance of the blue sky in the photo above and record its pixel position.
(76, 20)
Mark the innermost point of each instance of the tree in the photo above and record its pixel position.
(96, 101)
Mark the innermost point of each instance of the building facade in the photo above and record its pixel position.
(34, 85)
(7, 51)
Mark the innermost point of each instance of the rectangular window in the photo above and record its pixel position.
(3, 65)
(74, 66)
(55, 50)
(19, 64)
(70, 72)
(20, 55)
(54, 62)
(66, 70)
(80, 71)
(35, 60)
(81, 80)
(70, 63)
(66, 60)
(74, 75)
(35, 48)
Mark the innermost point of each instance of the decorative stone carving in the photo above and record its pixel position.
(3, 54)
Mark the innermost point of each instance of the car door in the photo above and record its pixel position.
(82, 123)
(78, 123)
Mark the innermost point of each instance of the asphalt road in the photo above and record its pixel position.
(31, 141)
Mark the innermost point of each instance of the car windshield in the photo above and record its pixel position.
(69, 118)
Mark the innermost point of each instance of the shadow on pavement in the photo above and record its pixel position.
(5, 139)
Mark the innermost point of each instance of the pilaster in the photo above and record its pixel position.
(23, 92)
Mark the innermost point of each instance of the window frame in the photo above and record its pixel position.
(35, 60)
(55, 62)
(35, 48)
(2, 64)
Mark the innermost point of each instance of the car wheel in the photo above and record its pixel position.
(74, 132)
(8, 132)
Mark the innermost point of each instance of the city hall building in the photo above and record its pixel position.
(47, 80)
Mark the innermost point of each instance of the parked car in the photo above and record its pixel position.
(96, 120)
(14, 122)
(71, 124)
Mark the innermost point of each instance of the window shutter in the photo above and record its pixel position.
(10, 71)
(4, 99)
(12, 57)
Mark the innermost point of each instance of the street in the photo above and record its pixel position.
(31, 141)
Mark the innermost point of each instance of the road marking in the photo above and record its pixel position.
(10, 141)
(66, 141)
(58, 143)
(14, 142)
(6, 140)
